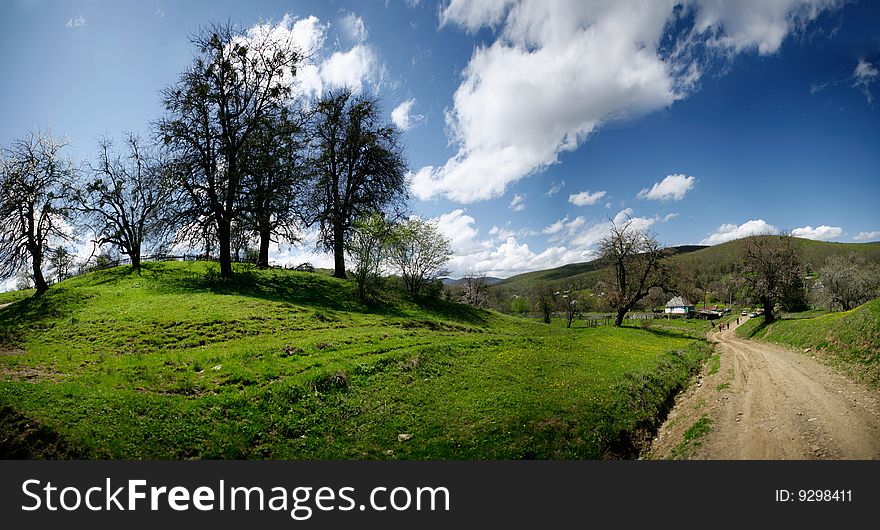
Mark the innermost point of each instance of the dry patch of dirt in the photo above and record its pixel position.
(768, 402)
(31, 374)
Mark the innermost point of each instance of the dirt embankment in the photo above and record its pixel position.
(767, 402)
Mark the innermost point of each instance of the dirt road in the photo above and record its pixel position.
(768, 402)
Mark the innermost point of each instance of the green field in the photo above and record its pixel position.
(849, 340)
(176, 363)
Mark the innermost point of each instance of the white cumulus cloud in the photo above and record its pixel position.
(585, 198)
(403, 116)
(558, 70)
(518, 202)
(873, 235)
(820, 233)
(673, 187)
(323, 69)
(729, 232)
(504, 253)
(353, 27)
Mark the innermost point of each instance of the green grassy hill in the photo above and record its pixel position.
(705, 263)
(849, 340)
(176, 363)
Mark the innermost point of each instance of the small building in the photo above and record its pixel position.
(679, 306)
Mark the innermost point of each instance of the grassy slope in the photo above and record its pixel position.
(175, 364)
(14, 296)
(706, 263)
(849, 340)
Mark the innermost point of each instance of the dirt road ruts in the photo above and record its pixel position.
(769, 402)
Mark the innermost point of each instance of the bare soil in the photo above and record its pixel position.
(771, 403)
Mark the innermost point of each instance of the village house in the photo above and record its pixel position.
(679, 306)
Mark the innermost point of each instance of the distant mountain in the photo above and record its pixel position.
(704, 262)
(571, 273)
(458, 281)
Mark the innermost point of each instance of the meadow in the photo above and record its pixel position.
(176, 363)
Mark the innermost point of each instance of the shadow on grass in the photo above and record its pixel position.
(37, 312)
(25, 438)
(667, 332)
(755, 331)
(454, 311)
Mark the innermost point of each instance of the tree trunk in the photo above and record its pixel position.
(135, 257)
(265, 239)
(338, 252)
(224, 240)
(39, 281)
(618, 320)
(768, 310)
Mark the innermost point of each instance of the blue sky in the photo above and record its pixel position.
(529, 125)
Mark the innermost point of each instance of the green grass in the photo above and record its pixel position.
(14, 296)
(714, 364)
(177, 363)
(849, 340)
(693, 437)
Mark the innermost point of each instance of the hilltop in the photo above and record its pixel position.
(704, 263)
(178, 363)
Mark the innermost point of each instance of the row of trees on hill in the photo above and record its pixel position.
(639, 273)
(238, 158)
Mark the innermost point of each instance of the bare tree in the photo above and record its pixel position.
(275, 181)
(359, 168)
(770, 269)
(474, 288)
(35, 180)
(124, 200)
(419, 252)
(848, 281)
(235, 84)
(636, 263)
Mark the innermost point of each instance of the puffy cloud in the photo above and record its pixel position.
(403, 117)
(504, 253)
(585, 198)
(820, 233)
(463, 235)
(518, 202)
(555, 188)
(673, 187)
(353, 68)
(353, 27)
(873, 235)
(864, 76)
(729, 231)
(581, 234)
(350, 69)
(755, 24)
(558, 70)
(563, 228)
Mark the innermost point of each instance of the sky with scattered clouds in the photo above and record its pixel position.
(529, 125)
